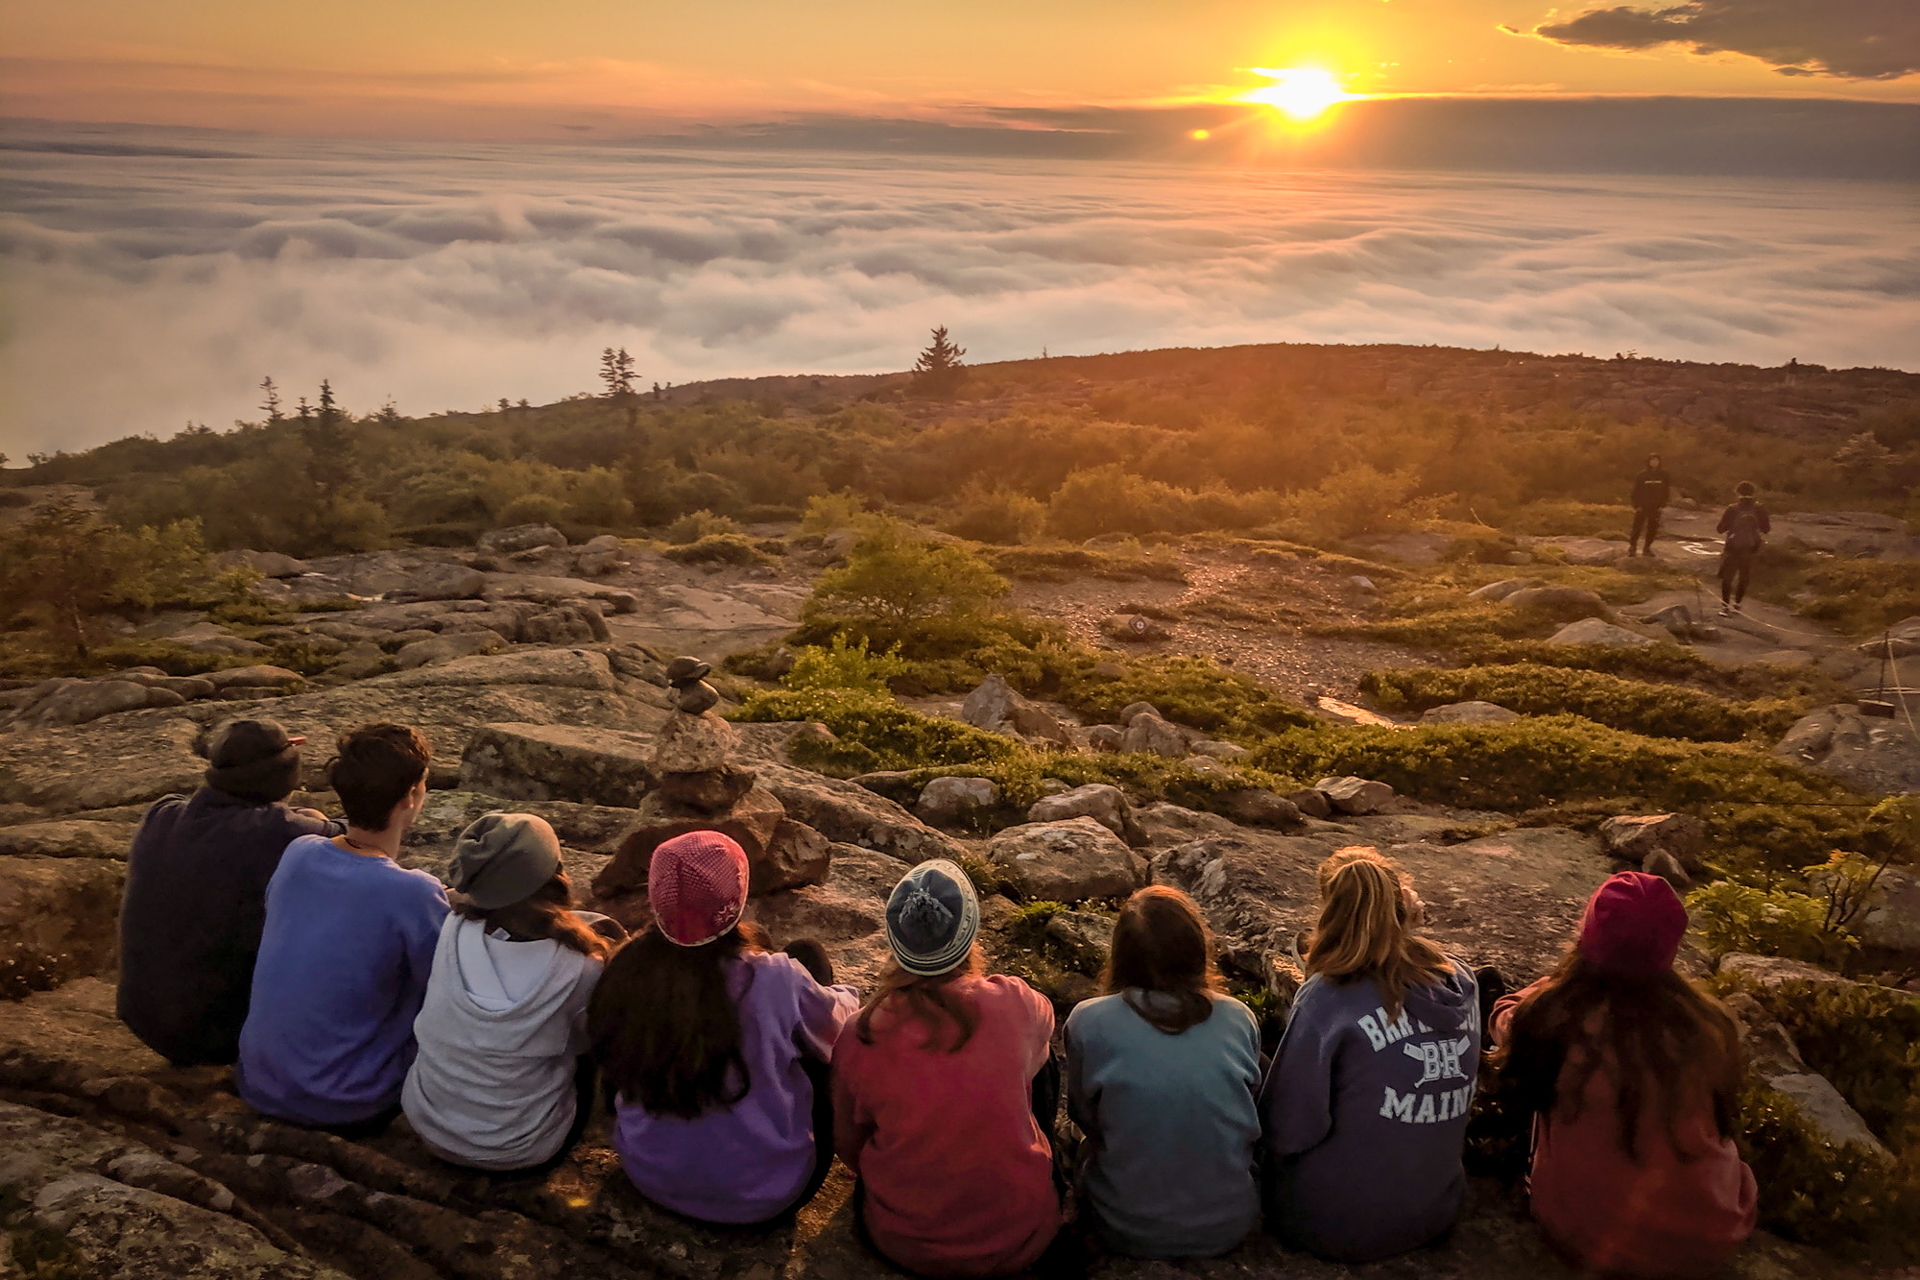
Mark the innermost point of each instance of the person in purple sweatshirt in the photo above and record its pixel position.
(715, 1048)
(346, 950)
(1365, 1107)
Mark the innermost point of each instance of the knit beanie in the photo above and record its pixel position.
(1633, 925)
(932, 919)
(504, 858)
(697, 886)
(256, 760)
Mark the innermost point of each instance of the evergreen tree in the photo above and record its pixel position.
(271, 405)
(617, 372)
(938, 371)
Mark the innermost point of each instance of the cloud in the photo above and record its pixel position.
(1843, 39)
(144, 290)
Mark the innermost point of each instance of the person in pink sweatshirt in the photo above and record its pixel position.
(1631, 1073)
(939, 1085)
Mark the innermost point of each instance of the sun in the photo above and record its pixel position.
(1299, 92)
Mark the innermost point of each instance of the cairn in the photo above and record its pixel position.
(698, 784)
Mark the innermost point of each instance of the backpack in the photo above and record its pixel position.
(1743, 529)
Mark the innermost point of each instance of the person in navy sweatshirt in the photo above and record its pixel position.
(1366, 1104)
(347, 950)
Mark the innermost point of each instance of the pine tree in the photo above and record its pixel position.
(617, 372)
(271, 405)
(938, 371)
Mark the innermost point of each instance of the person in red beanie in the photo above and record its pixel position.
(1631, 1073)
(716, 1049)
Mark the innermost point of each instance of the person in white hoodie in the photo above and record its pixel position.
(501, 1081)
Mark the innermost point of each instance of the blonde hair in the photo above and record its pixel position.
(1368, 917)
(946, 1017)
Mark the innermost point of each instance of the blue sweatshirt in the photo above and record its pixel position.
(344, 961)
(1368, 1115)
(1172, 1123)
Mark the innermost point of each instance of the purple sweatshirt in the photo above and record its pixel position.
(746, 1162)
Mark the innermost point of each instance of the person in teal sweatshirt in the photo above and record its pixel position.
(1366, 1104)
(1162, 1073)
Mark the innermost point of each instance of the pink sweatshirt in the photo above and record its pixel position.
(1669, 1213)
(958, 1177)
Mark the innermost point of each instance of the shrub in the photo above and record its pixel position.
(1859, 597)
(1864, 1039)
(1113, 499)
(1059, 564)
(895, 582)
(1841, 1198)
(1356, 500)
(874, 732)
(1771, 922)
(1664, 661)
(996, 515)
(718, 548)
(1661, 711)
(844, 666)
(827, 512)
(1194, 691)
(695, 525)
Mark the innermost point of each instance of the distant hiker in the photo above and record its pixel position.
(196, 894)
(1631, 1073)
(1746, 525)
(1651, 492)
(1162, 1076)
(945, 1091)
(715, 1048)
(502, 1079)
(347, 950)
(1366, 1104)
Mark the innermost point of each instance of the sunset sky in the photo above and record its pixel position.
(481, 68)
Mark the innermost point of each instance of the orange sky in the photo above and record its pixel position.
(489, 67)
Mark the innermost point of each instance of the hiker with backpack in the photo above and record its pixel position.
(1651, 490)
(1746, 525)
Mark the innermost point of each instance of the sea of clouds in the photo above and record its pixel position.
(147, 283)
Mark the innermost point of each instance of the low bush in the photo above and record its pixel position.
(1864, 1039)
(841, 665)
(1194, 691)
(718, 548)
(1772, 922)
(1656, 710)
(1058, 564)
(1842, 1198)
(1002, 516)
(1860, 597)
(1456, 625)
(1663, 662)
(695, 525)
(21, 658)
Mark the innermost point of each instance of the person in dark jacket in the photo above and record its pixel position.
(1651, 490)
(1746, 525)
(195, 899)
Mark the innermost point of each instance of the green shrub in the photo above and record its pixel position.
(1662, 662)
(1193, 691)
(1840, 1198)
(1771, 922)
(1061, 564)
(718, 548)
(874, 732)
(1002, 516)
(1355, 500)
(1456, 625)
(1860, 597)
(844, 666)
(827, 512)
(1660, 711)
(1112, 499)
(1864, 1039)
(896, 582)
(696, 525)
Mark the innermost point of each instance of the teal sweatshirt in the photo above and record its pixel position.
(1172, 1124)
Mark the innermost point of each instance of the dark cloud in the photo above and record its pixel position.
(1846, 39)
(143, 290)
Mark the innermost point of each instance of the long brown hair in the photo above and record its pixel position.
(1161, 946)
(664, 1026)
(1368, 918)
(548, 913)
(948, 1017)
(1659, 1039)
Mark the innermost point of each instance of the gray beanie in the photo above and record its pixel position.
(932, 919)
(504, 858)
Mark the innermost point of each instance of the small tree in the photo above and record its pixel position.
(938, 371)
(895, 582)
(617, 372)
(271, 405)
(1863, 459)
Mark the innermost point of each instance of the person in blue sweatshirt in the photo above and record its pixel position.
(1162, 1073)
(346, 950)
(1366, 1103)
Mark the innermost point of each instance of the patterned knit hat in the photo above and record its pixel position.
(697, 885)
(1633, 925)
(932, 919)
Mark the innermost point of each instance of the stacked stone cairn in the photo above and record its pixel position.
(699, 785)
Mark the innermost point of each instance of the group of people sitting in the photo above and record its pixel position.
(348, 990)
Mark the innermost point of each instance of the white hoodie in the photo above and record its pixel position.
(492, 1086)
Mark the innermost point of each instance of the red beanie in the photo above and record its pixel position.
(697, 886)
(1633, 925)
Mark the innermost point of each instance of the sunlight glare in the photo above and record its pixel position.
(1299, 92)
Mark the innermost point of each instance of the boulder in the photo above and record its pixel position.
(599, 556)
(951, 800)
(1558, 599)
(996, 706)
(541, 589)
(1310, 802)
(847, 814)
(1901, 640)
(1147, 732)
(1132, 709)
(693, 743)
(522, 537)
(268, 564)
(754, 821)
(576, 622)
(72, 838)
(1259, 807)
(58, 920)
(708, 790)
(255, 677)
(1354, 797)
(798, 855)
(1084, 937)
(1228, 751)
(81, 701)
(897, 785)
(1890, 916)
(563, 668)
(441, 581)
(211, 637)
(447, 647)
(1066, 861)
(1634, 839)
(1104, 803)
(1667, 867)
(1106, 737)
(1498, 591)
(1775, 1059)
(1594, 631)
(1475, 712)
(558, 762)
(1770, 971)
(1135, 628)
(1863, 751)
(1581, 550)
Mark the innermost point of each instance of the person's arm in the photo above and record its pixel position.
(422, 935)
(1083, 1108)
(1766, 521)
(1726, 521)
(1298, 1098)
(1501, 1019)
(852, 1126)
(1041, 1045)
(819, 1012)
